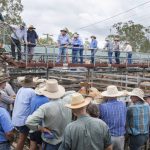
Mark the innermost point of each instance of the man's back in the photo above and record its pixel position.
(113, 113)
(86, 133)
(22, 106)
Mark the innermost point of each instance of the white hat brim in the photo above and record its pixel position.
(86, 102)
(133, 94)
(106, 94)
(54, 95)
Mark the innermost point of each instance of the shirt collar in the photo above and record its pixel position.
(83, 116)
(111, 101)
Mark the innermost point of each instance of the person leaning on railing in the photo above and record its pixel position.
(19, 34)
(128, 49)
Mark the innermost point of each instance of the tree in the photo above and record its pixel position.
(134, 33)
(47, 41)
(11, 10)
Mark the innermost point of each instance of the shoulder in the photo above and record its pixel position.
(3, 112)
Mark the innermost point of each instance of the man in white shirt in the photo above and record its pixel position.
(128, 49)
(19, 34)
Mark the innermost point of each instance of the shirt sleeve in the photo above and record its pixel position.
(9, 90)
(107, 137)
(6, 99)
(5, 122)
(25, 35)
(66, 141)
(34, 120)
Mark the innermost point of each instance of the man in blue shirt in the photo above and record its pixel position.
(116, 48)
(63, 42)
(113, 113)
(22, 110)
(75, 50)
(109, 47)
(93, 47)
(37, 101)
(138, 120)
(32, 39)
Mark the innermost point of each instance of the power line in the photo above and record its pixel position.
(115, 15)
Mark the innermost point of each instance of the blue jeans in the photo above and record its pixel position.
(92, 55)
(117, 57)
(5, 146)
(50, 147)
(136, 141)
(75, 52)
(62, 54)
(110, 57)
(129, 57)
(81, 55)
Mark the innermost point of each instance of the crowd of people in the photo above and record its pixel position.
(64, 42)
(56, 119)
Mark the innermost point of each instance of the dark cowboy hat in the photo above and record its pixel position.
(28, 82)
(31, 27)
(93, 36)
(64, 30)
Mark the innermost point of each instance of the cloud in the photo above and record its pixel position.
(49, 16)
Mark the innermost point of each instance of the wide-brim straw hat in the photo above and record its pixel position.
(65, 30)
(93, 36)
(52, 89)
(28, 82)
(137, 92)
(39, 87)
(31, 27)
(78, 101)
(112, 91)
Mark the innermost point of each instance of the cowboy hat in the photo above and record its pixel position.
(116, 39)
(78, 101)
(52, 90)
(38, 81)
(93, 36)
(137, 92)
(28, 82)
(23, 24)
(65, 30)
(31, 27)
(39, 87)
(112, 91)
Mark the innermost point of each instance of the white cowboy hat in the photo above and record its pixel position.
(65, 30)
(39, 87)
(112, 91)
(137, 92)
(20, 79)
(52, 90)
(78, 101)
(37, 81)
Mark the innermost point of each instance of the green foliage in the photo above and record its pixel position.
(47, 41)
(12, 10)
(136, 34)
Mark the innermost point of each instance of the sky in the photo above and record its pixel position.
(49, 16)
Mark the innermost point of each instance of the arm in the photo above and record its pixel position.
(66, 141)
(34, 120)
(25, 36)
(107, 139)
(6, 99)
(7, 126)
(9, 90)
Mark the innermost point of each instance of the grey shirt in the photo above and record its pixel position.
(86, 133)
(54, 116)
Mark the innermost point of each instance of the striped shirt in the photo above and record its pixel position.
(113, 113)
(138, 119)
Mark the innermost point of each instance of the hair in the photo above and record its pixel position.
(93, 110)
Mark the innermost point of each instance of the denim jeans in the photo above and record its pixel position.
(16, 44)
(81, 55)
(75, 52)
(5, 146)
(129, 57)
(118, 142)
(136, 141)
(117, 57)
(50, 147)
(62, 54)
(92, 55)
(110, 56)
